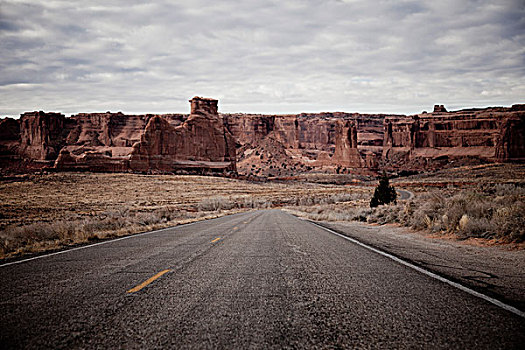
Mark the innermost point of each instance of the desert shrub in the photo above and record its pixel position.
(495, 211)
(326, 214)
(492, 212)
(256, 203)
(425, 212)
(328, 199)
(504, 190)
(384, 214)
(64, 230)
(13, 238)
(475, 227)
(360, 214)
(168, 214)
(90, 226)
(215, 204)
(384, 193)
(510, 221)
(32, 232)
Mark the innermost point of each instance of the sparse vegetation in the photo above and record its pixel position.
(487, 209)
(39, 212)
(492, 212)
(43, 235)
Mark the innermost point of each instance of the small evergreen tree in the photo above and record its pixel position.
(384, 193)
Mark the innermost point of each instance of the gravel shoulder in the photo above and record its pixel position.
(493, 270)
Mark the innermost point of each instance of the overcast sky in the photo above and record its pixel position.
(260, 56)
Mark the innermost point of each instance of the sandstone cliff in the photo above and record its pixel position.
(118, 142)
(491, 134)
(346, 153)
(284, 145)
(9, 141)
(262, 145)
(42, 135)
(201, 142)
(510, 144)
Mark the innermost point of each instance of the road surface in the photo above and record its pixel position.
(404, 195)
(262, 279)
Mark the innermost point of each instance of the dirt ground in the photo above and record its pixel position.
(44, 198)
(68, 208)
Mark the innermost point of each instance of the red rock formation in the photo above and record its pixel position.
(100, 141)
(42, 135)
(489, 134)
(200, 142)
(91, 161)
(371, 161)
(309, 139)
(9, 141)
(440, 109)
(510, 145)
(304, 131)
(9, 129)
(412, 142)
(204, 106)
(346, 153)
(267, 145)
(118, 142)
(323, 160)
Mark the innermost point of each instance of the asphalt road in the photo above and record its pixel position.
(263, 279)
(404, 194)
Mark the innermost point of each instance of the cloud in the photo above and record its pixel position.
(260, 56)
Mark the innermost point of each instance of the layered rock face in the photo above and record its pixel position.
(424, 141)
(201, 141)
(9, 130)
(492, 134)
(118, 142)
(42, 135)
(510, 145)
(315, 131)
(104, 141)
(9, 141)
(304, 141)
(346, 153)
(262, 145)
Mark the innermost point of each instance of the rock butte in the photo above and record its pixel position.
(206, 141)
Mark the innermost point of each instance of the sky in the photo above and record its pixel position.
(260, 56)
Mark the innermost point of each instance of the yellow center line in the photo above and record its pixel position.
(148, 281)
(216, 239)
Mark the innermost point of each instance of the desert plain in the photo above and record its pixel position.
(47, 211)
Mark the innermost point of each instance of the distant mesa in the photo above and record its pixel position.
(203, 105)
(207, 142)
(201, 142)
(439, 109)
(114, 142)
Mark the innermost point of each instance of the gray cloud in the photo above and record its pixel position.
(260, 56)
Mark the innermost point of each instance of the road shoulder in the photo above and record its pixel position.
(494, 271)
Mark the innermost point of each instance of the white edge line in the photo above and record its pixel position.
(428, 273)
(95, 244)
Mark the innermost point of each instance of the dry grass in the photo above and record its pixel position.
(491, 212)
(39, 212)
(485, 201)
